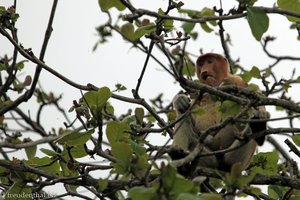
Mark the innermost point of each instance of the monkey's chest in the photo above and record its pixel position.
(206, 116)
(210, 117)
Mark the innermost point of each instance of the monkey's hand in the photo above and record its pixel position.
(227, 81)
(181, 103)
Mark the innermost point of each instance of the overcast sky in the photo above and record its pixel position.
(74, 35)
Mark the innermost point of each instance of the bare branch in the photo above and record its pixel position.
(29, 144)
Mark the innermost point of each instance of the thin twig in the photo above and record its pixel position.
(136, 91)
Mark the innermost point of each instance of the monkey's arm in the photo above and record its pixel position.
(259, 112)
(256, 127)
(243, 147)
(185, 137)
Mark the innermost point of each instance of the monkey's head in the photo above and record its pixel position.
(212, 68)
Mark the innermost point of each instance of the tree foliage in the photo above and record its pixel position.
(133, 166)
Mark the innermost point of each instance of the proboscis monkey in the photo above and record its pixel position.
(213, 69)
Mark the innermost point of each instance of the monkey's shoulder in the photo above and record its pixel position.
(234, 80)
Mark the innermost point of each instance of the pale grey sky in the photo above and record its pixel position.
(74, 35)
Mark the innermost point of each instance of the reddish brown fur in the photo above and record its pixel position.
(212, 69)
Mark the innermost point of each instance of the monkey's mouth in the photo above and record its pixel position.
(205, 76)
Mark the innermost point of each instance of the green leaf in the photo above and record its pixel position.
(18, 191)
(190, 13)
(296, 197)
(183, 185)
(188, 196)
(286, 85)
(246, 76)
(120, 87)
(291, 5)
(188, 68)
(139, 114)
(206, 28)
(258, 21)
(48, 152)
(5, 177)
(171, 116)
(298, 79)
(143, 30)
(77, 151)
(138, 193)
(129, 119)
(97, 99)
(103, 183)
(123, 153)
(207, 12)
(20, 65)
(160, 11)
(2, 67)
(253, 87)
(199, 111)
(65, 171)
(74, 139)
(130, 34)
(235, 179)
(140, 165)
(109, 108)
(194, 35)
(168, 177)
(137, 148)
(296, 139)
(195, 13)
(127, 31)
(255, 72)
(277, 192)
(2, 10)
(45, 164)
(30, 151)
(265, 163)
(151, 118)
(168, 24)
(3, 171)
(105, 5)
(255, 190)
(117, 131)
(188, 26)
(209, 196)
(267, 72)
(229, 108)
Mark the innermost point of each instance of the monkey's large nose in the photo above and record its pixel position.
(204, 75)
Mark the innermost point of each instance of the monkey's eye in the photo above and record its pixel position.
(200, 63)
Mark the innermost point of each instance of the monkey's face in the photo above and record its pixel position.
(211, 70)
